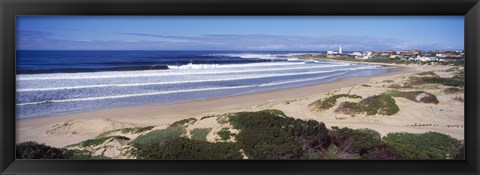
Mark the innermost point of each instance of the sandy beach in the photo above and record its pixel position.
(63, 130)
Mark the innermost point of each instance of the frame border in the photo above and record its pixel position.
(11, 8)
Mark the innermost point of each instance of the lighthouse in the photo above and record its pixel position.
(340, 49)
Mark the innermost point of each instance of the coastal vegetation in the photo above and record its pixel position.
(458, 80)
(264, 135)
(187, 149)
(452, 90)
(429, 145)
(183, 122)
(34, 150)
(169, 133)
(378, 104)
(271, 134)
(126, 131)
(99, 140)
(416, 96)
(225, 134)
(329, 102)
(200, 133)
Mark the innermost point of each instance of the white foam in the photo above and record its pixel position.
(130, 95)
(175, 82)
(175, 91)
(152, 73)
(251, 55)
(250, 65)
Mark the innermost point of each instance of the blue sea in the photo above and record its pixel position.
(61, 82)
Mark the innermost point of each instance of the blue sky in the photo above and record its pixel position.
(301, 33)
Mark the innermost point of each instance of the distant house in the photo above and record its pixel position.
(416, 52)
(364, 56)
(440, 55)
(356, 54)
(331, 52)
(394, 56)
(423, 58)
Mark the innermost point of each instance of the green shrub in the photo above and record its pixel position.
(208, 116)
(183, 122)
(350, 108)
(356, 141)
(429, 73)
(225, 134)
(451, 69)
(34, 150)
(381, 152)
(266, 136)
(445, 81)
(452, 90)
(187, 149)
(365, 85)
(377, 104)
(200, 133)
(430, 145)
(456, 81)
(329, 102)
(222, 119)
(101, 140)
(275, 112)
(156, 136)
(272, 143)
(461, 154)
(127, 131)
(412, 96)
(82, 155)
(334, 152)
(380, 104)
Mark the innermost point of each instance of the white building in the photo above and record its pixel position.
(423, 58)
(340, 50)
(356, 54)
(331, 52)
(364, 56)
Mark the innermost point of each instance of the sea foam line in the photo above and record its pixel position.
(130, 95)
(177, 82)
(132, 74)
(170, 92)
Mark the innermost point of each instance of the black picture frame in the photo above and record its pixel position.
(11, 8)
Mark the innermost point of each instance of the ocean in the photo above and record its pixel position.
(61, 82)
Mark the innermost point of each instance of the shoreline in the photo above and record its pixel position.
(63, 130)
(37, 128)
(395, 69)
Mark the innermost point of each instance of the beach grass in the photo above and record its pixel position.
(329, 102)
(126, 131)
(200, 133)
(183, 122)
(365, 85)
(169, 133)
(99, 141)
(275, 112)
(225, 134)
(378, 104)
(452, 90)
(264, 135)
(430, 145)
(412, 96)
(428, 73)
(188, 149)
